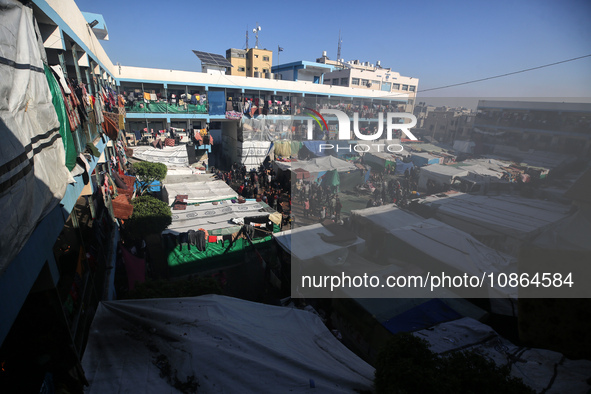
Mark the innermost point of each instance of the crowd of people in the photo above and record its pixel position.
(261, 184)
(393, 190)
(320, 201)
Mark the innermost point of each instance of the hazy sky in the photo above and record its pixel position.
(440, 43)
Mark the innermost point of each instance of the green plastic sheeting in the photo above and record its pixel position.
(60, 108)
(166, 108)
(331, 178)
(185, 261)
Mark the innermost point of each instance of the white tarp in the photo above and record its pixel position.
(543, 370)
(199, 192)
(385, 217)
(304, 243)
(33, 174)
(168, 155)
(506, 215)
(440, 174)
(212, 217)
(228, 345)
(319, 164)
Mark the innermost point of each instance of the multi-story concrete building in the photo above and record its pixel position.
(365, 75)
(548, 126)
(253, 62)
(444, 124)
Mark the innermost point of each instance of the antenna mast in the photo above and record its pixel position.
(339, 48)
(247, 38)
(256, 32)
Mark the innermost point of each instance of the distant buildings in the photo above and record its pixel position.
(444, 124)
(549, 126)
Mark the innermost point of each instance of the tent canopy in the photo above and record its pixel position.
(305, 243)
(317, 165)
(213, 217)
(225, 344)
(199, 192)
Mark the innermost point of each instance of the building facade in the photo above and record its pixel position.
(253, 62)
(547, 126)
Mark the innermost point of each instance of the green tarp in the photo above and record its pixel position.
(60, 108)
(166, 108)
(185, 261)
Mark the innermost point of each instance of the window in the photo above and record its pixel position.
(396, 86)
(265, 70)
(256, 69)
(344, 81)
(327, 81)
(355, 81)
(411, 88)
(411, 102)
(364, 82)
(335, 81)
(404, 87)
(240, 68)
(256, 56)
(265, 58)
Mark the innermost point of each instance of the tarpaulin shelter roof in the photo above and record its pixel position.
(168, 155)
(319, 164)
(199, 192)
(212, 217)
(305, 243)
(508, 215)
(386, 217)
(225, 344)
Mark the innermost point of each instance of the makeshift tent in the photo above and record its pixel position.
(440, 174)
(305, 243)
(169, 155)
(380, 160)
(503, 222)
(366, 324)
(318, 165)
(464, 146)
(349, 174)
(211, 217)
(198, 192)
(421, 159)
(430, 245)
(33, 174)
(222, 344)
(401, 167)
(543, 370)
(331, 179)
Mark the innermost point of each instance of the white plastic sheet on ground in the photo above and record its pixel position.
(33, 175)
(228, 345)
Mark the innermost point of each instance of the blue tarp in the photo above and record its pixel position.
(401, 167)
(314, 147)
(217, 103)
(422, 316)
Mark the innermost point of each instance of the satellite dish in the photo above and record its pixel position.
(259, 28)
(254, 30)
